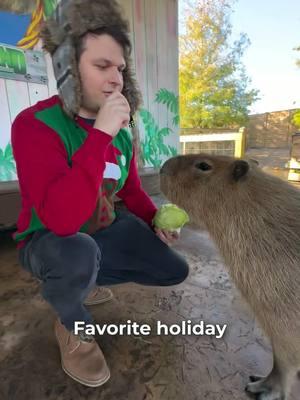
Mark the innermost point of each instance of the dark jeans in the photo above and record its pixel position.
(70, 266)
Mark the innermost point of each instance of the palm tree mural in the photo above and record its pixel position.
(43, 9)
(27, 6)
(153, 146)
(7, 164)
(40, 9)
(170, 99)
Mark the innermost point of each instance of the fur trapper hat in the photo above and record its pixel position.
(71, 20)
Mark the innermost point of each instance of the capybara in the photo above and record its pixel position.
(254, 219)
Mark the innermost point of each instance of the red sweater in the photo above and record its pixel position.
(65, 197)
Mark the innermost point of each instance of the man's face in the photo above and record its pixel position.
(100, 67)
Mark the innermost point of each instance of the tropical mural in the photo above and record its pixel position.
(20, 21)
(153, 147)
(19, 34)
(44, 8)
(7, 164)
(22, 65)
(158, 121)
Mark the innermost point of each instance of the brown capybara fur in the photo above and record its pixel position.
(254, 219)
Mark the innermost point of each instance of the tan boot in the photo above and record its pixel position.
(81, 357)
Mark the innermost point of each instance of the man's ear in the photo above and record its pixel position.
(240, 169)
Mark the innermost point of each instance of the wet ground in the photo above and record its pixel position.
(160, 367)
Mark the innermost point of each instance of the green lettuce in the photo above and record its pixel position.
(170, 217)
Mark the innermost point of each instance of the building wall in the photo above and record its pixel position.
(154, 27)
(16, 95)
(273, 129)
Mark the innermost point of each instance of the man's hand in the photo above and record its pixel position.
(168, 237)
(113, 115)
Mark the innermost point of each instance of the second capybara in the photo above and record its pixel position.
(254, 219)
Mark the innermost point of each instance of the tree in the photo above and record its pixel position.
(213, 82)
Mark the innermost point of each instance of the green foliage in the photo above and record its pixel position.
(7, 164)
(296, 116)
(298, 61)
(49, 7)
(153, 146)
(213, 82)
(296, 119)
(168, 98)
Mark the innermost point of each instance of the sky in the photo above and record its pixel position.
(273, 28)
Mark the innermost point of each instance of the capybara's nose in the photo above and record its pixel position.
(168, 166)
(171, 166)
(164, 168)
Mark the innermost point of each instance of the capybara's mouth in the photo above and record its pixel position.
(164, 184)
(167, 175)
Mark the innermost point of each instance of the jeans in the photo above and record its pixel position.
(70, 266)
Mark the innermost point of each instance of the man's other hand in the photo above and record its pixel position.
(168, 237)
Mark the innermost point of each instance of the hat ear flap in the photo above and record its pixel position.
(130, 89)
(67, 76)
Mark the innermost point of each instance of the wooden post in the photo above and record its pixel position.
(240, 144)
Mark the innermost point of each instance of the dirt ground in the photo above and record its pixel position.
(158, 367)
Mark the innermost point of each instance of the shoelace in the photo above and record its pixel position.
(83, 338)
(86, 338)
(95, 292)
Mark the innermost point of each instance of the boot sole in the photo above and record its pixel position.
(93, 303)
(76, 378)
(86, 383)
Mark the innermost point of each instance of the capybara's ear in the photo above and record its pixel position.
(240, 169)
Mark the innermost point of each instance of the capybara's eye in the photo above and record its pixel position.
(203, 166)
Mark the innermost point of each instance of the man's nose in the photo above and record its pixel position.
(116, 76)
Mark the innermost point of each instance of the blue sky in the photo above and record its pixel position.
(273, 28)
